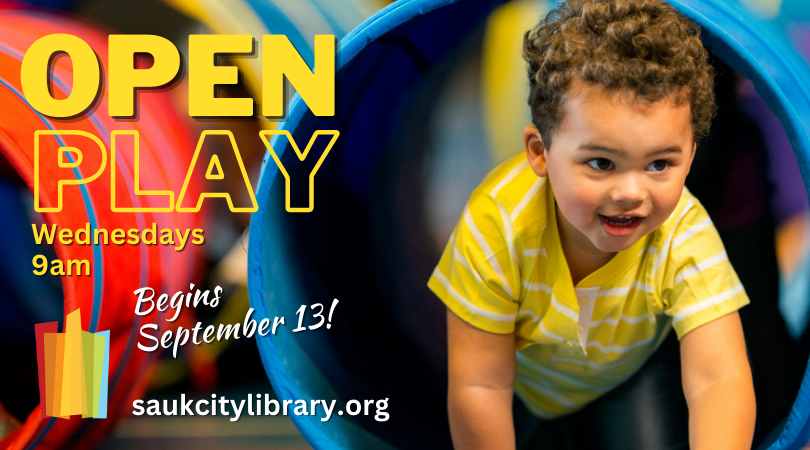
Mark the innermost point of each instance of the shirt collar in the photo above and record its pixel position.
(604, 275)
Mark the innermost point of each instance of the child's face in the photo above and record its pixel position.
(617, 165)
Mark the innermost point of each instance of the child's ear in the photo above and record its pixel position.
(535, 150)
(692, 157)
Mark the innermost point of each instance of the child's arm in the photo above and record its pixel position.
(481, 374)
(718, 386)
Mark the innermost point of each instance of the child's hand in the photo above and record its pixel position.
(481, 374)
(718, 386)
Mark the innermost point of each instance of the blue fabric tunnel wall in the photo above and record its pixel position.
(364, 241)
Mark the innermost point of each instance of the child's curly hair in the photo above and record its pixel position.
(642, 46)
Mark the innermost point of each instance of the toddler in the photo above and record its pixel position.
(574, 260)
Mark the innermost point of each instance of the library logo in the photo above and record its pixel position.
(73, 367)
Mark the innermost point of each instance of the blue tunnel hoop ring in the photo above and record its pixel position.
(742, 41)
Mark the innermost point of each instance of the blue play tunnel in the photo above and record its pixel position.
(370, 241)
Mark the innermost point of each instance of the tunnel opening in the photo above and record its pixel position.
(385, 197)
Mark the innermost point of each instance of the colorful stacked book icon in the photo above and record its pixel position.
(73, 368)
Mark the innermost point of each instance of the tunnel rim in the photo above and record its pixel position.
(714, 16)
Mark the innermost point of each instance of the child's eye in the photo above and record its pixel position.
(658, 165)
(600, 163)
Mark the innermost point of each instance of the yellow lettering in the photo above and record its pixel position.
(40, 262)
(44, 233)
(166, 237)
(203, 75)
(65, 236)
(134, 237)
(181, 238)
(34, 75)
(104, 234)
(38, 138)
(125, 78)
(254, 206)
(149, 235)
(301, 156)
(117, 236)
(57, 267)
(116, 143)
(78, 264)
(83, 232)
(316, 87)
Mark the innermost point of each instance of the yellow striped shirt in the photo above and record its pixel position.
(504, 271)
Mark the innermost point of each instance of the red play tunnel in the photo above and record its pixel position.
(106, 295)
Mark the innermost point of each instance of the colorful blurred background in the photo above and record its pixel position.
(390, 215)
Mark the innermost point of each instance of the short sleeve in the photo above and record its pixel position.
(477, 276)
(700, 285)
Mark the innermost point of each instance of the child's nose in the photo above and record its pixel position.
(629, 188)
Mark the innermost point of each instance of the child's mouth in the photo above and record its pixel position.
(619, 225)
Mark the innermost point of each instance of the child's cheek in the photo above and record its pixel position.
(579, 204)
(577, 196)
(665, 202)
